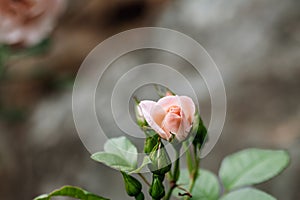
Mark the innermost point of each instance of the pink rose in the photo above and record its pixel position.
(27, 22)
(171, 115)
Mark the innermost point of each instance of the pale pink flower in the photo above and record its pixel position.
(170, 115)
(27, 22)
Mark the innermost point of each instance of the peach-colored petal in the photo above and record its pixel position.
(171, 123)
(184, 128)
(158, 114)
(186, 125)
(188, 107)
(182, 133)
(168, 101)
(146, 107)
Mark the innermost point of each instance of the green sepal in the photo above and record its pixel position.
(163, 91)
(161, 177)
(150, 143)
(200, 132)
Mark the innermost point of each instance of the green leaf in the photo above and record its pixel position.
(122, 147)
(71, 191)
(247, 194)
(206, 186)
(252, 166)
(119, 153)
(113, 161)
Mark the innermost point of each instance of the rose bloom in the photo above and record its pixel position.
(170, 115)
(27, 22)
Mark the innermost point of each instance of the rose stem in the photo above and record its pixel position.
(173, 184)
(144, 179)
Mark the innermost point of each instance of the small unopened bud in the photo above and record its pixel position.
(139, 116)
(169, 93)
(132, 185)
(157, 190)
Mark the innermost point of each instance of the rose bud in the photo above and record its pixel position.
(132, 186)
(157, 190)
(169, 93)
(139, 116)
(170, 116)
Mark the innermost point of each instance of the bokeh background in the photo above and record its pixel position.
(255, 43)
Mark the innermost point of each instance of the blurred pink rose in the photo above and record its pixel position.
(27, 22)
(171, 115)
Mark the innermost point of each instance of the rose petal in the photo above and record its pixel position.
(188, 107)
(184, 128)
(158, 114)
(146, 107)
(185, 123)
(182, 133)
(171, 123)
(168, 101)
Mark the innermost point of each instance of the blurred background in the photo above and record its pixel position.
(255, 43)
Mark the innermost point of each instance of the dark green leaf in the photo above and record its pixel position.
(71, 191)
